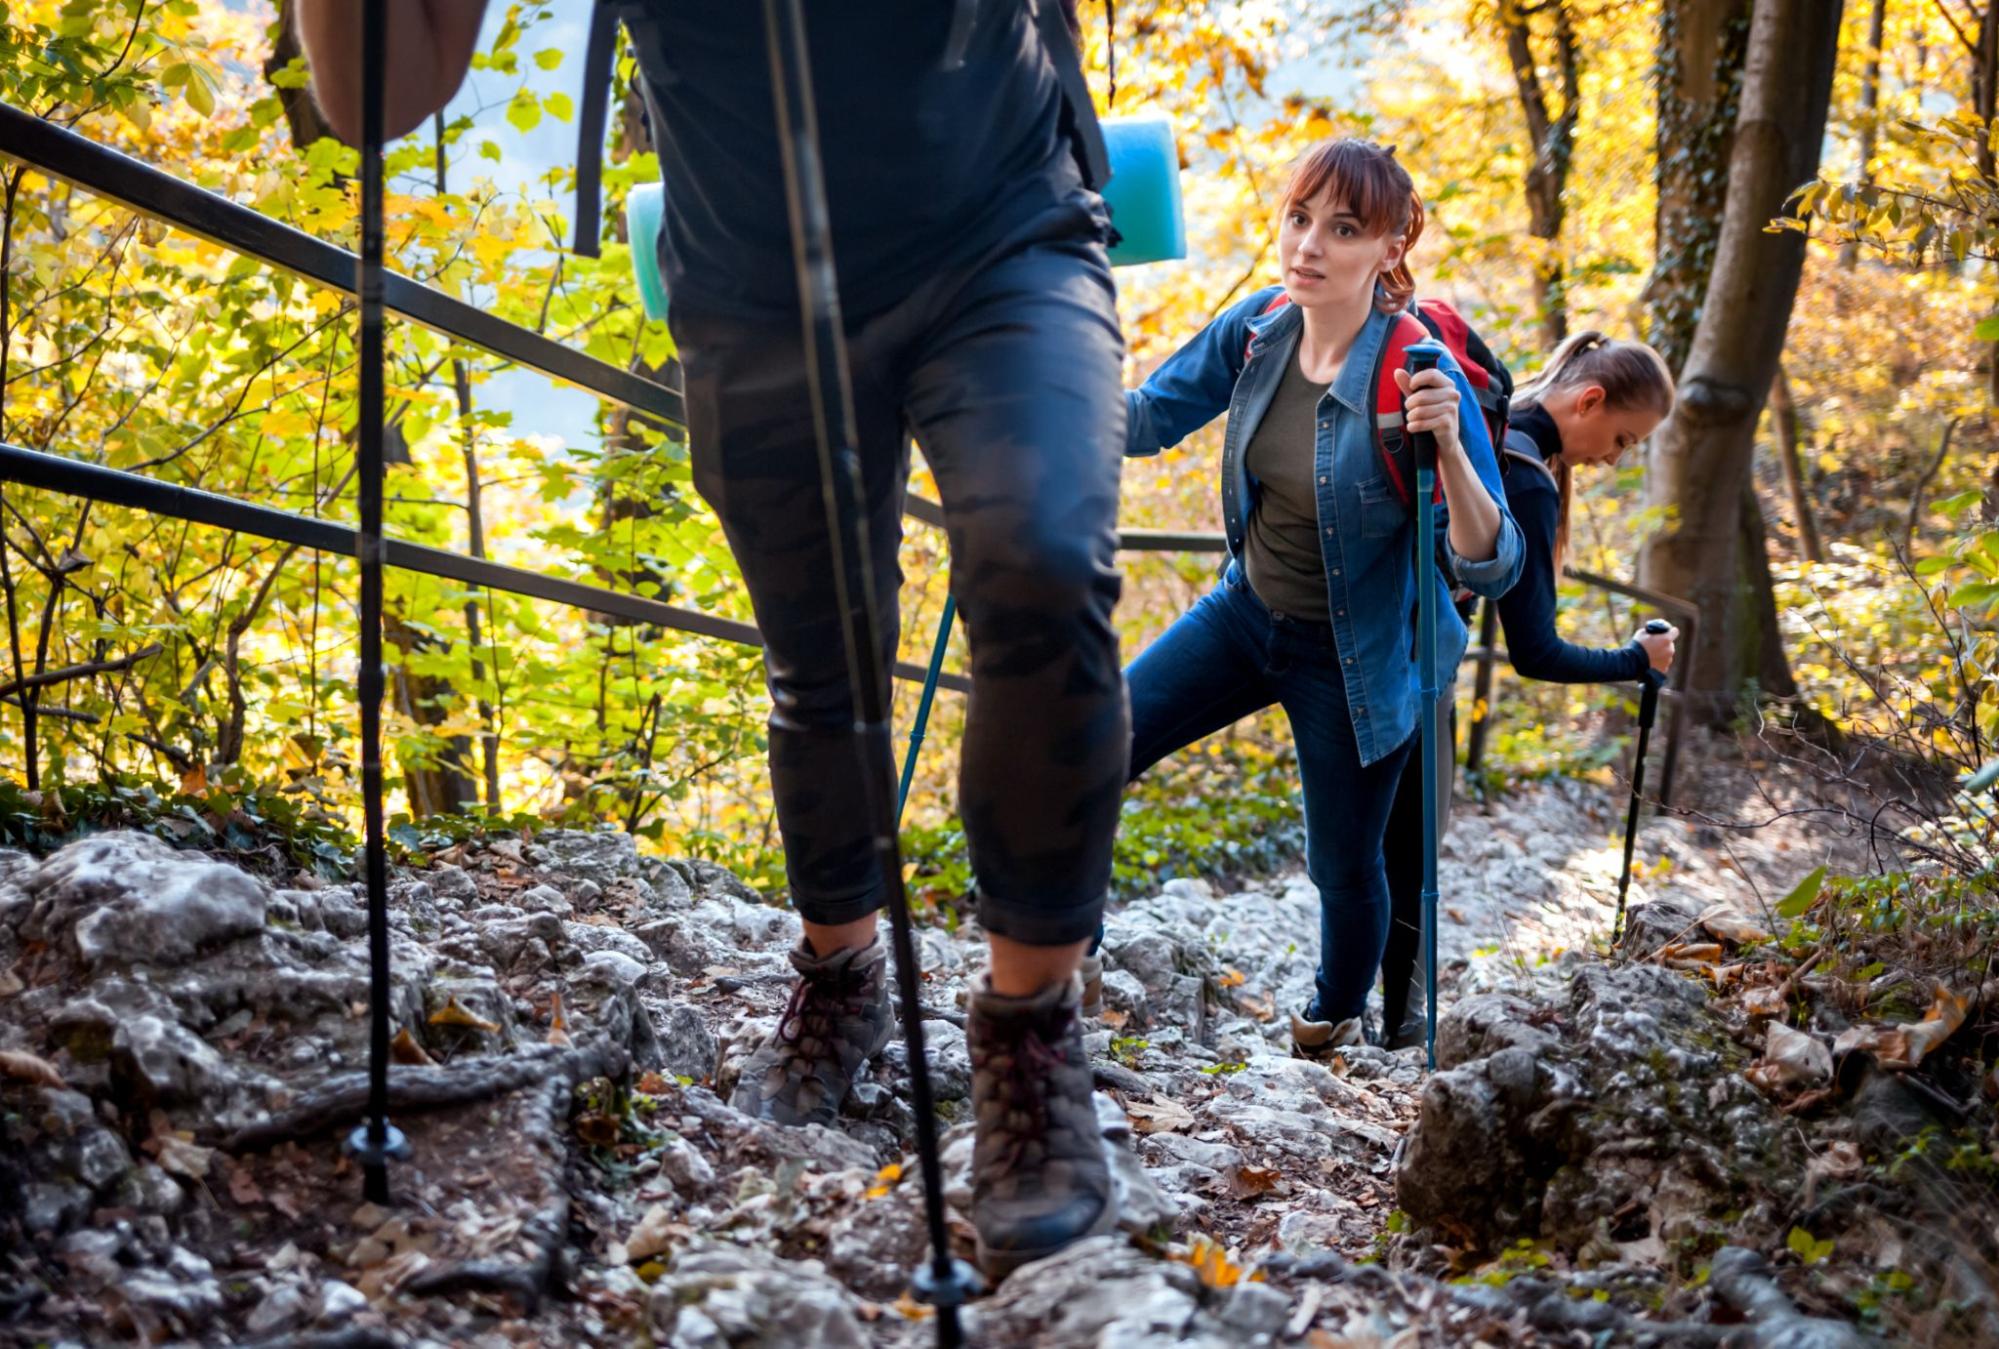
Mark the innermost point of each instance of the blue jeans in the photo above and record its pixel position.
(1230, 656)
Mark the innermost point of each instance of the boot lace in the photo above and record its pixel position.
(818, 1004)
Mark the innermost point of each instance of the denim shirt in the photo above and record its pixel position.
(1368, 541)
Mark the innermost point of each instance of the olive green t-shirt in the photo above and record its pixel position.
(1281, 552)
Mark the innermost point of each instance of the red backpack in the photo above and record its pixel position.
(1491, 384)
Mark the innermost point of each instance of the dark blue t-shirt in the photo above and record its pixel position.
(926, 166)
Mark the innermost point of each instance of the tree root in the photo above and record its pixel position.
(343, 1100)
(1547, 1306)
(1741, 1278)
(546, 1231)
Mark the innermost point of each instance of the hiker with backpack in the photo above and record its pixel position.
(1596, 398)
(1316, 608)
(978, 312)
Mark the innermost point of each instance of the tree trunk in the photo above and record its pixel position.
(1701, 457)
(1699, 77)
(301, 113)
(1553, 136)
(1870, 106)
(475, 514)
(1784, 423)
(447, 787)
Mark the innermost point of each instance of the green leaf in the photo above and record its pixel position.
(1800, 899)
(1987, 329)
(1800, 1243)
(1984, 777)
(1955, 506)
(559, 106)
(524, 112)
(489, 150)
(1978, 592)
(548, 58)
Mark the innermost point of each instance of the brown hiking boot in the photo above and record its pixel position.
(1311, 1039)
(1040, 1179)
(837, 1020)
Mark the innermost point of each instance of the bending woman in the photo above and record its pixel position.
(1316, 607)
(1596, 399)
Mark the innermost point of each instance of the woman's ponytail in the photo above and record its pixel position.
(1631, 375)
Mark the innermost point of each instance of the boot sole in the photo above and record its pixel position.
(996, 1265)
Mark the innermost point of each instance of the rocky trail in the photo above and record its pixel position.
(1599, 1162)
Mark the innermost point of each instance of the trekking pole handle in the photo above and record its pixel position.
(1422, 356)
(1652, 680)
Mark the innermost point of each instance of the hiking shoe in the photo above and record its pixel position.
(1314, 1039)
(1040, 1177)
(1092, 974)
(837, 1020)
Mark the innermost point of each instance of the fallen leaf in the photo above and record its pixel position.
(26, 1067)
(1724, 922)
(910, 1309)
(405, 1049)
(1218, 1267)
(1113, 1018)
(652, 1235)
(1791, 1058)
(653, 1084)
(1262, 1008)
(180, 1155)
(243, 1186)
(1247, 1181)
(1232, 979)
(558, 1024)
(452, 1014)
(1763, 1001)
(885, 1180)
(1907, 1044)
(1161, 1116)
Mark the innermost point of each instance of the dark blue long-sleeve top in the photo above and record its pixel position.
(1527, 611)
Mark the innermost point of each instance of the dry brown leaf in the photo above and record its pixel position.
(18, 1063)
(243, 1186)
(1907, 1045)
(1247, 1181)
(1161, 1116)
(1726, 923)
(180, 1155)
(1262, 1008)
(453, 1014)
(652, 1236)
(405, 1049)
(558, 1024)
(1763, 1001)
(653, 1084)
(1705, 951)
(1113, 1018)
(1232, 979)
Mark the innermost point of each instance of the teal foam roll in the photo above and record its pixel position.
(1144, 191)
(645, 216)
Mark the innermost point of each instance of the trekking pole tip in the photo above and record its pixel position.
(375, 1157)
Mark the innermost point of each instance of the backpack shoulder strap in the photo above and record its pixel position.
(1519, 448)
(1397, 461)
(1086, 137)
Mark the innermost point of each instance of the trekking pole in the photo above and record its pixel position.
(945, 1283)
(1648, 711)
(376, 1142)
(1423, 356)
(923, 704)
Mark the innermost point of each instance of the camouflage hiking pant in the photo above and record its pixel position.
(1008, 374)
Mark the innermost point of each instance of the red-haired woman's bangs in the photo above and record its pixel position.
(1360, 176)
